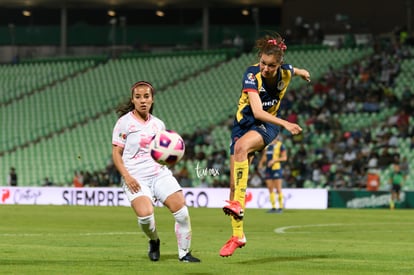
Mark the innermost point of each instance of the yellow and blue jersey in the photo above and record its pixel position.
(271, 98)
(273, 151)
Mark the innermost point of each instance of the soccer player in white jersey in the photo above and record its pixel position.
(143, 179)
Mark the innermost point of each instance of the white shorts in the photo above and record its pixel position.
(157, 188)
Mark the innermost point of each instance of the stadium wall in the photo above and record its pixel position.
(367, 199)
(205, 197)
(195, 197)
(45, 41)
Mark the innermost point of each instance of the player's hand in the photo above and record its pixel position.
(305, 75)
(132, 184)
(293, 128)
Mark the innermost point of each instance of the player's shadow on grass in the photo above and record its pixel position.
(164, 257)
(282, 259)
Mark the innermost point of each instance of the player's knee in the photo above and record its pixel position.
(181, 215)
(240, 152)
(146, 219)
(175, 201)
(239, 148)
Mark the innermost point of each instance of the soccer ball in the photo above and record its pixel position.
(167, 147)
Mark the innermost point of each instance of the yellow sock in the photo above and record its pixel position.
(237, 226)
(241, 174)
(280, 198)
(272, 198)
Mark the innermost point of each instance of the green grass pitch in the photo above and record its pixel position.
(107, 240)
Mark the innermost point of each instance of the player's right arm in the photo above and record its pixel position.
(130, 181)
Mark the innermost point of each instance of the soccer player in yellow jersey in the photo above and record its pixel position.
(256, 124)
(272, 158)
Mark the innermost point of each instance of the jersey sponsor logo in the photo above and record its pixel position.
(145, 141)
(269, 103)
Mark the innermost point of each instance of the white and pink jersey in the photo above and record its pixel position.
(134, 136)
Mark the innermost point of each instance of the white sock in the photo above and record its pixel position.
(147, 224)
(183, 231)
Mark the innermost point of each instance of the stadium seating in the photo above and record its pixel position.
(20, 80)
(87, 95)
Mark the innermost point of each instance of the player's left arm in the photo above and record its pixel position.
(304, 74)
